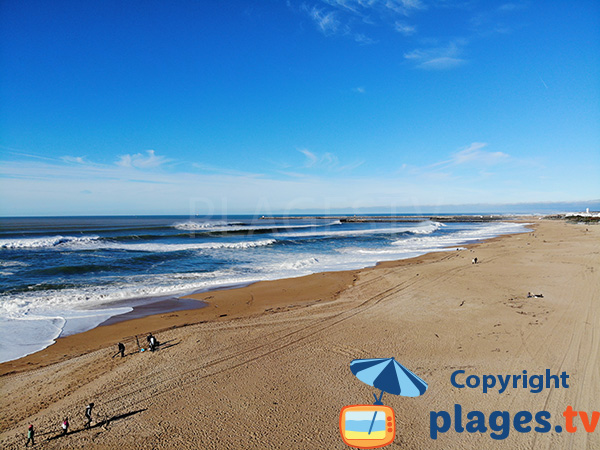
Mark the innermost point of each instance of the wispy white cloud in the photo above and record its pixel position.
(19, 152)
(345, 17)
(351, 166)
(140, 161)
(403, 6)
(326, 21)
(363, 39)
(512, 6)
(365, 7)
(290, 174)
(359, 90)
(327, 161)
(359, 19)
(74, 159)
(490, 22)
(405, 29)
(473, 155)
(472, 174)
(311, 158)
(442, 63)
(44, 188)
(470, 163)
(224, 171)
(349, 5)
(439, 57)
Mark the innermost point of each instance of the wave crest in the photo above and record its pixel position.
(183, 247)
(428, 228)
(51, 241)
(207, 227)
(204, 226)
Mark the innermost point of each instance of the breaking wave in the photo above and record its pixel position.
(53, 241)
(204, 226)
(148, 247)
(239, 226)
(422, 228)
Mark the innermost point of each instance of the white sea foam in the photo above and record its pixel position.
(51, 241)
(94, 242)
(419, 245)
(233, 227)
(151, 247)
(204, 226)
(428, 228)
(14, 264)
(11, 267)
(421, 228)
(460, 237)
(123, 288)
(296, 265)
(20, 336)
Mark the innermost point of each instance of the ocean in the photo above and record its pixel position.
(64, 275)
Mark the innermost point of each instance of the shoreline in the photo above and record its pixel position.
(214, 305)
(201, 306)
(163, 306)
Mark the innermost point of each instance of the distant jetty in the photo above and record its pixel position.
(399, 218)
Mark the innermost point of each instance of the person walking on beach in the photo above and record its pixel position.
(122, 349)
(30, 434)
(88, 415)
(65, 426)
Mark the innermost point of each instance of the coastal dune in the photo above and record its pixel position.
(267, 366)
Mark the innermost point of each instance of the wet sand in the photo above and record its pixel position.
(267, 366)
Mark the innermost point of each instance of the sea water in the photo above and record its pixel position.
(60, 276)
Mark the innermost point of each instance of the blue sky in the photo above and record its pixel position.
(272, 106)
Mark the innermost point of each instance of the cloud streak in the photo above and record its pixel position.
(140, 161)
(326, 21)
(444, 57)
(326, 161)
(74, 159)
(345, 17)
(405, 29)
(469, 175)
(473, 155)
(359, 20)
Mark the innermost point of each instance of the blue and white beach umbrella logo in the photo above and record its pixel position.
(372, 426)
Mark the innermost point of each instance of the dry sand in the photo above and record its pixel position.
(267, 366)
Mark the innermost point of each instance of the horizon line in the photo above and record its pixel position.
(594, 206)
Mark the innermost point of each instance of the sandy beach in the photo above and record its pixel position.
(266, 366)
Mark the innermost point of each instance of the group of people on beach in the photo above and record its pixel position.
(152, 345)
(64, 425)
